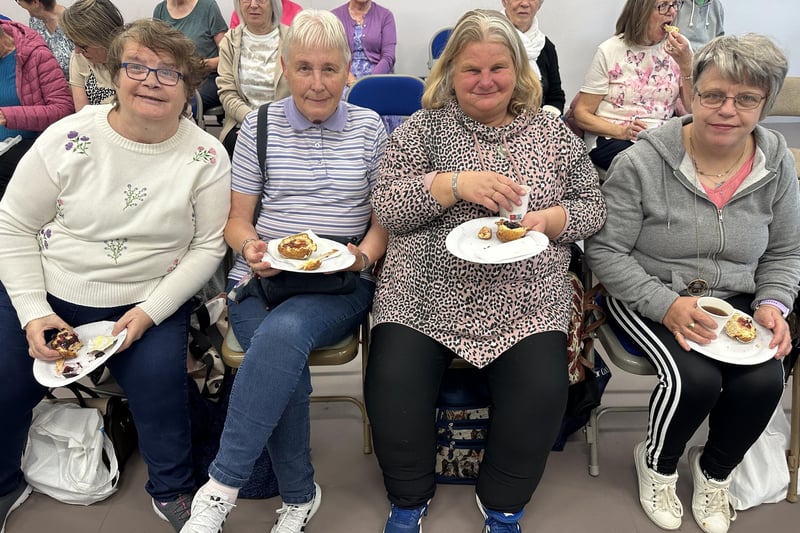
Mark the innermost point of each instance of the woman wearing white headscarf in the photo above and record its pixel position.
(541, 51)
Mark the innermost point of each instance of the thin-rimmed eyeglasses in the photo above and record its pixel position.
(744, 101)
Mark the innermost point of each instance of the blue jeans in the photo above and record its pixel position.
(152, 372)
(270, 397)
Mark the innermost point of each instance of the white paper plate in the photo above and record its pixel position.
(728, 350)
(45, 371)
(463, 242)
(332, 264)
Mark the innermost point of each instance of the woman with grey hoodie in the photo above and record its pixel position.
(706, 204)
(700, 21)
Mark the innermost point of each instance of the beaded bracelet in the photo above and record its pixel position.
(774, 303)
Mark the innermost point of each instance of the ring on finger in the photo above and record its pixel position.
(691, 325)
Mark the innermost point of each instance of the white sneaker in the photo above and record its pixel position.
(210, 508)
(710, 502)
(657, 493)
(292, 518)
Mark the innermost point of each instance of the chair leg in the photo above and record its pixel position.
(592, 440)
(364, 419)
(794, 440)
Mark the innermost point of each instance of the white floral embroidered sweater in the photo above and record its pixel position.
(101, 221)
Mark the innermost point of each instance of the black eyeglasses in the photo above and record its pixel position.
(745, 101)
(664, 7)
(165, 76)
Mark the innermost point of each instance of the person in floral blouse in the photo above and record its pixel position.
(116, 214)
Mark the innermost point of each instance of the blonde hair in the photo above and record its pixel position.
(477, 26)
(92, 22)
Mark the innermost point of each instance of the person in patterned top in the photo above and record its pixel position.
(91, 25)
(116, 213)
(46, 20)
(480, 137)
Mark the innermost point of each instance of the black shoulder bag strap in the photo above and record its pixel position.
(261, 139)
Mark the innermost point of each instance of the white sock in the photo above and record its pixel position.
(230, 493)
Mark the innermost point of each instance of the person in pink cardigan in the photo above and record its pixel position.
(33, 93)
(290, 9)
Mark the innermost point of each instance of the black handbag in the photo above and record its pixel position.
(277, 289)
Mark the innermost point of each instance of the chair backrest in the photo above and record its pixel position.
(388, 94)
(788, 105)
(438, 41)
(197, 109)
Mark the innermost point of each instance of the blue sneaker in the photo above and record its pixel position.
(405, 520)
(497, 522)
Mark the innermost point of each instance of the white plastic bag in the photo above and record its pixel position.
(763, 474)
(64, 454)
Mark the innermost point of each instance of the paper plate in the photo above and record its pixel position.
(333, 263)
(45, 371)
(463, 242)
(728, 350)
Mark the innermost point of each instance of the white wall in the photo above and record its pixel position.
(575, 26)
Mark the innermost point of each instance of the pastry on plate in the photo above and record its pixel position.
(299, 246)
(741, 328)
(485, 233)
(508, 231)
(67, 344)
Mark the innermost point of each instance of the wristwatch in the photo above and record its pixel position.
(775, 303)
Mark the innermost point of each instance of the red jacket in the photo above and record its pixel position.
(41, 86)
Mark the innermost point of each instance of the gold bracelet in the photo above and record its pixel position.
(245, 243)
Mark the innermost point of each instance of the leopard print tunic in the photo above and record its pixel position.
(478, 310)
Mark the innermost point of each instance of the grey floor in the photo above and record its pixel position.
(568, 499)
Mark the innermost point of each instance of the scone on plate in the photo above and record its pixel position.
(67, 345)
(299, 246)
(508, 231)
(741, 328)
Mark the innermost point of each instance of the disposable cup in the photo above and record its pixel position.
(517, 212)
(716, 308)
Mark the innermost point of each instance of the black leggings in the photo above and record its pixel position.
(528, 388)
(737, 399)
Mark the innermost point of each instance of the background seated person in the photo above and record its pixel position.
(290, 9)
(634, 80)
(92, 26)
(34, 95)
(250, 72)
(706, 204)
(700, 21)
(202, 22)
(541, 51)
(372, 35)
(46, 19)
(322, 161)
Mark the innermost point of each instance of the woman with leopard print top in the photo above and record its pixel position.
(481, 136)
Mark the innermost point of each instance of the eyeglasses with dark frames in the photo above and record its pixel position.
(165, 76)
(664, 7)
(743, 101)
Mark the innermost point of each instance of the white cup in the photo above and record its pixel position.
(517, 212)
(718, 309)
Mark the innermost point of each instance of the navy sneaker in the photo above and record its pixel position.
(176, 512)
(497, 522)
(405, 520)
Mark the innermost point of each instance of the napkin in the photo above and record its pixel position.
(8, 143)
(509, 251)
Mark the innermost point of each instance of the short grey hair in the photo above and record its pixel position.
(316, 28)
(277, 11)
(747, 59)
(476, 26)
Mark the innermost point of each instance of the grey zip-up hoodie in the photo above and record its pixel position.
(662, 231)
(700, 21)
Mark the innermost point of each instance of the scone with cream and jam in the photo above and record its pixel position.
(741, 328)
(299, 246)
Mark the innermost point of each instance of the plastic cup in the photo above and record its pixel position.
(718, 309)
(517, 212)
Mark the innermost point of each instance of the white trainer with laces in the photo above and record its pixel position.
(657, 493)
(711, 505)
(292, 518)
(210, 508)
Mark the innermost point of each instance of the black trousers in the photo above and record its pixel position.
(528, 388)
(737, 399)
